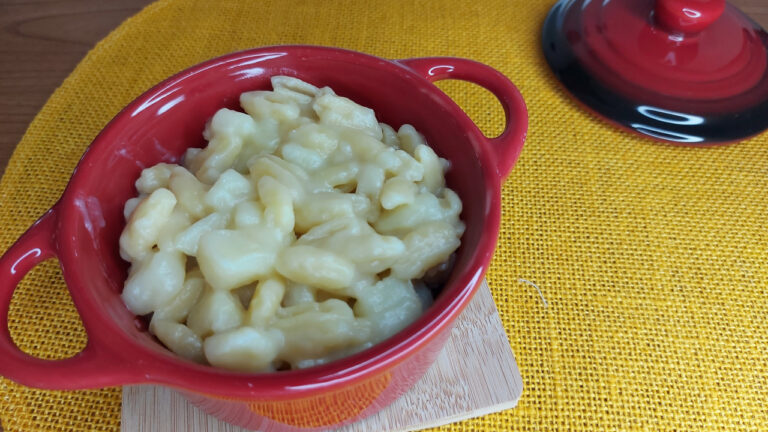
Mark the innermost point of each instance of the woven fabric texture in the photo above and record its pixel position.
(653, 258)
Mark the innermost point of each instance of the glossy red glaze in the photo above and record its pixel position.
(687, 16)
(621, 43)
(83, 228)
(699, 65)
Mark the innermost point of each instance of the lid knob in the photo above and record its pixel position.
(687, 16)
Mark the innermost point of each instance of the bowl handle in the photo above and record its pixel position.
(507, 146)
(88, 368)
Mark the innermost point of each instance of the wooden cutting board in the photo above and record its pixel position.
(475, 374)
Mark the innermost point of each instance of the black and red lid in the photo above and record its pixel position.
(684, 71)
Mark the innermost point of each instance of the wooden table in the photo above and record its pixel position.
(42, 41)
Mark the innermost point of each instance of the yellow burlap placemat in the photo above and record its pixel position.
(653, 258)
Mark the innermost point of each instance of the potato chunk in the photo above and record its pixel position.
(233, 258)
(215, 312)
(389, 305)
(340, 111)
(178, 338)
(154, 282)
(313, 266)
(245, 349)
(145, 224)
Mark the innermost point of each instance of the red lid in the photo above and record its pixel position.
(685, 71)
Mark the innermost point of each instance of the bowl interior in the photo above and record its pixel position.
(163, 123)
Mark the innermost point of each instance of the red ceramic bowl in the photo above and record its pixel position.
(83, 228)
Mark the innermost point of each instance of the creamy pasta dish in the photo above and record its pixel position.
(303, 232)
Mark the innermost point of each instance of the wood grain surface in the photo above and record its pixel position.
(41, 41)
(475, 374)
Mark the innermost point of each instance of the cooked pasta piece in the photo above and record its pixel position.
(295, 237)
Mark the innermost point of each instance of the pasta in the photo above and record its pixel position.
(300, 234)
